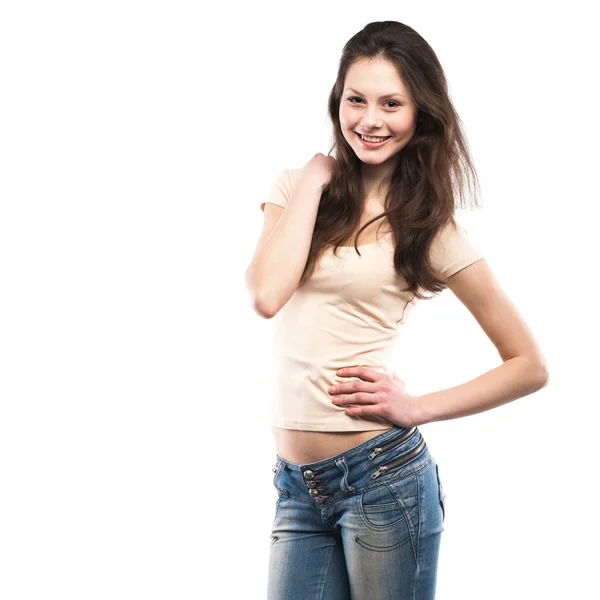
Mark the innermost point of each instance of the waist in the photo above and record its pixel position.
(301, 447)
(389, 457)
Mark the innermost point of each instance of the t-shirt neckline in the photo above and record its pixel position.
(360, 246)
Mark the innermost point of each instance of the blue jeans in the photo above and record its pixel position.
(347, 529)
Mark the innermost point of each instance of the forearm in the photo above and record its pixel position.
(277, 267)
(515, 378)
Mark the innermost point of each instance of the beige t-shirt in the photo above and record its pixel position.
(350, 312)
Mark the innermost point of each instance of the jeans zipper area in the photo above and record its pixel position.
(405, 436)
(406, 457)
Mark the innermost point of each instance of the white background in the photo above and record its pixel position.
(137, 140)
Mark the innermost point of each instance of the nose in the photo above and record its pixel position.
(370, 120)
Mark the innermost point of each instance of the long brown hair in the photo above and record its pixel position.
(420, 198)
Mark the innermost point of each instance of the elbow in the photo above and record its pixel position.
(261, 309)
(267, 306)
(542, 375)
(545, 377)
(263, 303)
(259, 306)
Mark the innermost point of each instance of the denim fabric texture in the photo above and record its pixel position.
(344, 530)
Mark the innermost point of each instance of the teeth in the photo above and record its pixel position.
(372, 139)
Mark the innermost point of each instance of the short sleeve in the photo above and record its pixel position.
(280, 191)
(453, 250)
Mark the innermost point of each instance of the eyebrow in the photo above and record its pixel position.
(382, 97)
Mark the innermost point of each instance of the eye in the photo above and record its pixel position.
(351, 98)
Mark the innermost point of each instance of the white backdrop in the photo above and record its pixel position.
(137, 141)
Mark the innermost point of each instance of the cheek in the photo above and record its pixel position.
(396, 129)
(347, 120)
(402, 126)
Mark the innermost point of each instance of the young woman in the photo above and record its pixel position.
(349, 245)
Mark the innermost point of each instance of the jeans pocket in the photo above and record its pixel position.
(441, 494)
(380, 507)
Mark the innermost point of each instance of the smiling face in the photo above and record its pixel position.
(376, 102)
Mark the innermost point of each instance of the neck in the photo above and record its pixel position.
(376, 179)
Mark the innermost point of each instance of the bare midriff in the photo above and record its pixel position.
(302, 447)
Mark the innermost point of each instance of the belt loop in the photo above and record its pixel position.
(343, 467)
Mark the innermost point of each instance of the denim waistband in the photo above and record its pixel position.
(399, 447)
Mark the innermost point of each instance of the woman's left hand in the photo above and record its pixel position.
(376, 394)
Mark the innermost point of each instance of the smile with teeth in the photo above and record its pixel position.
(373, 138)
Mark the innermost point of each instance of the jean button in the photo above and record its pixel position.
(308, 474)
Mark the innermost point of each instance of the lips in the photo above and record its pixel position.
(379, 136)
(373, 145)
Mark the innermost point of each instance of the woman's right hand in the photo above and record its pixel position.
(319, 168)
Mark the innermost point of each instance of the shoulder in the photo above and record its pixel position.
(282, 187)
(289, 177)
(452, 249)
